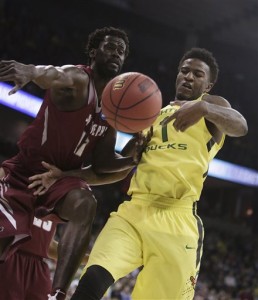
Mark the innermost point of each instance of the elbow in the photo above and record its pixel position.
(243, 128)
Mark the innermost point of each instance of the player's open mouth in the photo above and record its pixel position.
(114, 64)
(187, 86)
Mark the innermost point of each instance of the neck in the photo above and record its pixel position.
(100, 83)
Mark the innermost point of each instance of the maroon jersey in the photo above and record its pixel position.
(62, 138)
(65, 139)
(25, 274)
(42, 233)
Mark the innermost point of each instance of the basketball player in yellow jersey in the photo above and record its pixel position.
(159, 229)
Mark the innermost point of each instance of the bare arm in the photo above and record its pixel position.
(108, 161)
(42, 182)
(105, 159)
(138, 140)
(220, 117)
(44, 76)
(52, 252)
(228, 120)
(97, 179)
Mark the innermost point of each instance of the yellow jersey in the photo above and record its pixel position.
(174, 164)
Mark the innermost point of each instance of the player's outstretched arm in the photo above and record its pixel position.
(228, 120)
(42, 182)
(215, 109)
(44, 76)
(109, 161)
(137, 144)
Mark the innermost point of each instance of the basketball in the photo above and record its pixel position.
(131, 102)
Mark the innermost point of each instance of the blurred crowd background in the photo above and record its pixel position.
(55, 32)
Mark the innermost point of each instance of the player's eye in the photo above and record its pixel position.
(184, 70)
(121, 51)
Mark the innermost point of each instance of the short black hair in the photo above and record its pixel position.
(97, 36)
(205, 56)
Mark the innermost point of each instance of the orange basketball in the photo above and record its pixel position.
(131, 102)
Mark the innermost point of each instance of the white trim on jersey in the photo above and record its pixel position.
(8, 216)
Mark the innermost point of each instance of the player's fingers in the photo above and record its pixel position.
(167, 120)
(184, 127)
(149, 134)
(15, 89)
(39, 191)
(4, 68)
(177, 103)
(46, 165)
(177, 124)
(34, 184)
(35, 177)
(6, 62)
(140, 138)
(42, 192)
(180, 126)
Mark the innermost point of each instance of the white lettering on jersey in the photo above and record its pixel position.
(6, 208)
(83, 142)
(81, 145)
(44, 134)
(97, 130)
(45, 225)
(101, 130)
(93, 129)
(8, 216)
(79, 150)
(87, 121)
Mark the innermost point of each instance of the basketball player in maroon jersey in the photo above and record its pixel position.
(67, 131)
(25, 274)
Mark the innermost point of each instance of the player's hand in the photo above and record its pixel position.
(20, 74)
(189, 113)
(141, 142)
(42, 182)
(2, 173)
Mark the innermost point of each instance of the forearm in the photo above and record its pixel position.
(46, 76)
(52, 252)
(129, 147)
(119, 164)
(21, 74)
(227, 120)
(92, 178)
(109, 178)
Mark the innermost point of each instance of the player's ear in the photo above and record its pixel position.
(92, 53)
(209, 87)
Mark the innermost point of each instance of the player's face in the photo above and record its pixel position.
(193, 79)
(110, 56)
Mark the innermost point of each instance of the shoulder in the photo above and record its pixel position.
(217, 100)
(74, 69)
(74, 75)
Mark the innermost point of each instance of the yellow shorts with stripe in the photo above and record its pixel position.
(165, 239)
